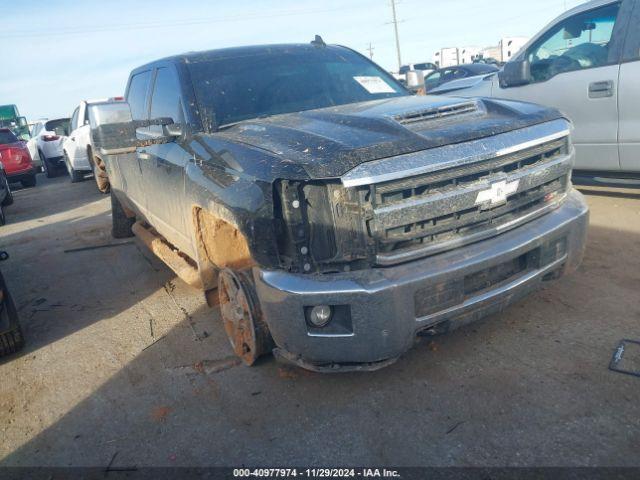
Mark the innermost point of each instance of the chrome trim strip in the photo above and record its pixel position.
(491, 294)
(529, 177)
(408, 255)
(448, 156)
(327, 335)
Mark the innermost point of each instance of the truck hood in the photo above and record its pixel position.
(329, 142)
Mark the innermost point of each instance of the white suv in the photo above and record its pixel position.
(78, 155)
(45, 144)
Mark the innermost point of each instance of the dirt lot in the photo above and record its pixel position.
(124, 358)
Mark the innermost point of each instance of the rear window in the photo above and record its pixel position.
(7, 137)
(60, 127)
(261, 84)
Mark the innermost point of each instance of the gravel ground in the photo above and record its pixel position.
(124, 359)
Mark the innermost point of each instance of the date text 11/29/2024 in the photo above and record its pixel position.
(315, 473)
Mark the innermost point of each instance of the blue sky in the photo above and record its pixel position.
(58, 52)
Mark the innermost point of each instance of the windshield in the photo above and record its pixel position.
(6, 137)
(261, 84)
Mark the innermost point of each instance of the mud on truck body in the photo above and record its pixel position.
(332, 214)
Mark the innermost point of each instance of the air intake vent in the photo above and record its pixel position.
(436, 113)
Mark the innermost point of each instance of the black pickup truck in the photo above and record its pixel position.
(331, 213)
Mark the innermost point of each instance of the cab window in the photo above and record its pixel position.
(165, 101)
(74, 119)
(579, 42)
(137, 95)
(432, 81)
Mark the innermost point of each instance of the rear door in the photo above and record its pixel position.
(575, 68)
(70, 145)
(32, 144)
(629, 97)
(163, 165)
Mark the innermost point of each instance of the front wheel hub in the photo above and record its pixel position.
(247, 331)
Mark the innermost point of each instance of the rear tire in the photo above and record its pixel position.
(11, 342)
(29, 182)
(8, 199)
(11, 338)
(49, 170)
(3, 219)
(121, 224)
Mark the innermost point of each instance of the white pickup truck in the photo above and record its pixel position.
(78, 152)
(586, 63)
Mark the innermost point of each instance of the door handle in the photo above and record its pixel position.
(144, 155)
(601, 89)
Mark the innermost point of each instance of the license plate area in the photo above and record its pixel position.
(447, 294)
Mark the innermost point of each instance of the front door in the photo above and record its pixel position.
(163, 165)
(575, 68)
(128, 165)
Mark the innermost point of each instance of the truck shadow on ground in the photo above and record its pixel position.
(524, 387)
(609, 192)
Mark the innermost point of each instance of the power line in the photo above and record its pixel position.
(395, 28)
(178, 23)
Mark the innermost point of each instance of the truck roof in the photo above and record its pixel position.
(231, 52)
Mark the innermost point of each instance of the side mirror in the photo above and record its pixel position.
(113, 131)
(515, 74)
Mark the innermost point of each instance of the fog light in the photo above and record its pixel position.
(320, 316)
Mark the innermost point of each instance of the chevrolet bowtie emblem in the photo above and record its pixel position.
(497, 193)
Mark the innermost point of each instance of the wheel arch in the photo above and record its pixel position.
(219, 244)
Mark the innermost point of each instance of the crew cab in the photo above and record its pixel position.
(331, 214)
(586, 63)
(77, 151)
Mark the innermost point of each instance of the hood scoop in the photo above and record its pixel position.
(436, 113)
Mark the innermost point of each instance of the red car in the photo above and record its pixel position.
(16, 159)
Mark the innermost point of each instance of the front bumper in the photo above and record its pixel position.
(380, 311)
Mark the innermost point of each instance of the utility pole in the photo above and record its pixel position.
(370, 49)
(395, 27)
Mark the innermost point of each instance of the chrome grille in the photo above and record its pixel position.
(429, 213)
